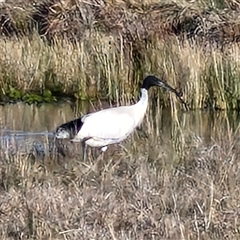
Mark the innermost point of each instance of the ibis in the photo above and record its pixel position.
(112, 125)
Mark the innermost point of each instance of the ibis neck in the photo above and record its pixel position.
(143, 101)
(140, 107)
(144, 96)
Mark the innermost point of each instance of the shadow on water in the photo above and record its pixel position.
(28, 129)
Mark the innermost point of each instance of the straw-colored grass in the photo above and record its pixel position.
(96, 69)
(183, 188)
(103, 50)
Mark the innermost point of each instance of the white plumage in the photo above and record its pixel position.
(112, 125)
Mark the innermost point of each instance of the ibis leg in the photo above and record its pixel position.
(100, 157)
(84, 151)
(98, 163)
(143, 134)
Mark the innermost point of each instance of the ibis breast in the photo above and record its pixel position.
(108, 126)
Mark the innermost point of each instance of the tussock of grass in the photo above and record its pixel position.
(98, 68)
(87, 70)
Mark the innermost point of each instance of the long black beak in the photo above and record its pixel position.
(171, 89)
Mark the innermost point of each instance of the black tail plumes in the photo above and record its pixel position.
(72, 127)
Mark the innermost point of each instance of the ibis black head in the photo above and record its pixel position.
(151, 81)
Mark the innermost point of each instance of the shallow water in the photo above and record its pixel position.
(28, 128)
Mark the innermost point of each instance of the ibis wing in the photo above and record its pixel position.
(107, 124)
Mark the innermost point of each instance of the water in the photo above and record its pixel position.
(29, 128)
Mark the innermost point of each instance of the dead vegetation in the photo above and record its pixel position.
(185, 189)
(102, 49)
(75, 20)
(99, 68)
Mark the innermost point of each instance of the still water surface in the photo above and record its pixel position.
(22, 126)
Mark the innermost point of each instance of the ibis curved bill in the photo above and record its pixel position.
(112, 125)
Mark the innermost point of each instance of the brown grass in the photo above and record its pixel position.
(133, 20)
(95, 69)
(187, 188)
(101, 50)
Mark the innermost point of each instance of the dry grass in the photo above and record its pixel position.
(188, 189)
(87, 69)
(96, 69)
(102, 50)
(155, 191)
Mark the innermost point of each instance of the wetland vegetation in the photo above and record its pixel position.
(182, 182)
(103, 49)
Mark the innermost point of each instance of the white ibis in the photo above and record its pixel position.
(112, 125)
